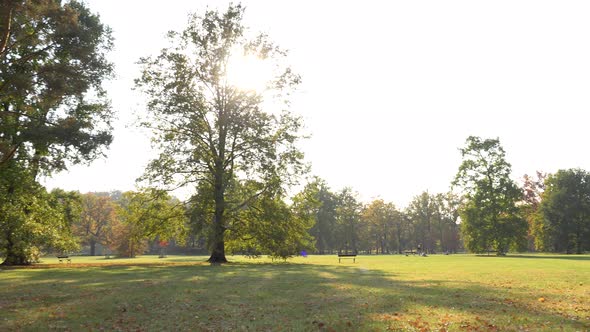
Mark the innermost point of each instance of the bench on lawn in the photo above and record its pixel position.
(341, 256)
(410, 252)
(501, 253)
(64, 257)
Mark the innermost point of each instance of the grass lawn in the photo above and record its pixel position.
(377, 293)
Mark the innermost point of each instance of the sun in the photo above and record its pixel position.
(248, 72)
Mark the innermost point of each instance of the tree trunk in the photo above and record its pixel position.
(6, 10)
(353, 238)
(442, 244)
(578, 242)
(14, 257)
(399, 240)
(218, 250)
(320, 244)
(218, 245)
(92, 247)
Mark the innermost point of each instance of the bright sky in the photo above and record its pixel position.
(391, 89)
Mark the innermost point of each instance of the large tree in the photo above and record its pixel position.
(210, 129)
(53, 109)
(563, 220)
(490, 218)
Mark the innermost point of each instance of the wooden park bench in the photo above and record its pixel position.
(341, 256)
(410, 252)
(64, 257)
(501, 253)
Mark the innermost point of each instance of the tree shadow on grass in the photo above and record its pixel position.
(574, 257)
(263, 297)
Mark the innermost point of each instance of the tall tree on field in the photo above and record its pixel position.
(490, 217)
(563, 221)
(53, 109)
(213, 129)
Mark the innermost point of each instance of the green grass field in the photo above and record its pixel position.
(377, 293)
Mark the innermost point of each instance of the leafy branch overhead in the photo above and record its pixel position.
(53, 109)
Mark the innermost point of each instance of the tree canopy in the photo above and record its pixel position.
(52, 105)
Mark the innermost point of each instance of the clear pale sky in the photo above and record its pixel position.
(391, 89)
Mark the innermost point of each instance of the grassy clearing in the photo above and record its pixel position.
(377, 293)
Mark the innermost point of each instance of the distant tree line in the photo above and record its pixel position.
(342, 223)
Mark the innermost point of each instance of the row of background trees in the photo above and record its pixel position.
(323, 221)
(237, 147)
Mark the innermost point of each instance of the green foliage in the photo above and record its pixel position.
(52, 105)
(264, 224)
(423, 215)
(381, 218)
(53, 112)
(433, 222)
(562, 223)
(351, 232)
(490, 217)
(317, 203)
(209, 130)
(147, 215)
(270, 227)
(31, 219)
(532, 191)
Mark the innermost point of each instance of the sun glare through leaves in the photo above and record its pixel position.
(248, 72)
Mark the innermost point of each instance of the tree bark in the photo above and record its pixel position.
(12, 256)
(6, 10)
(319, 242)
(218, 245)
(92, 247)
(218, 250)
